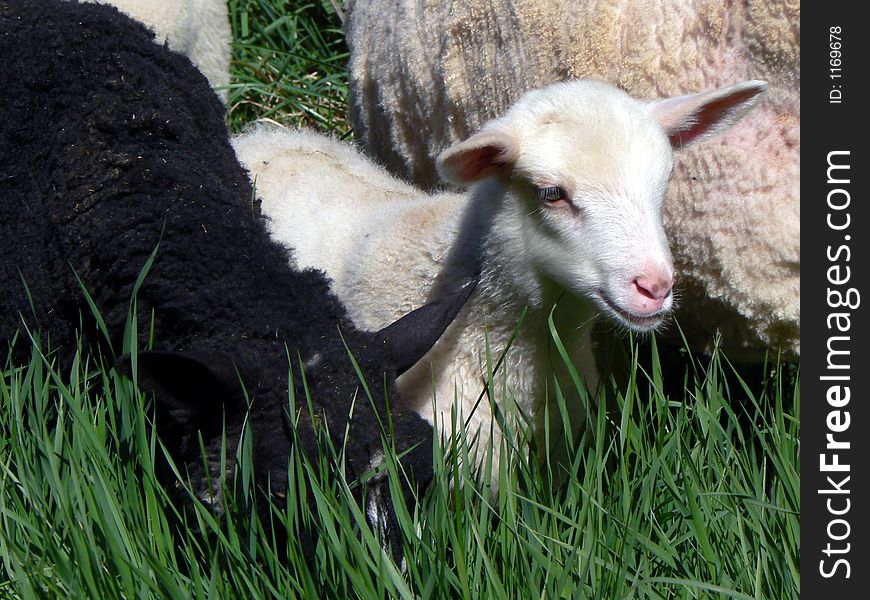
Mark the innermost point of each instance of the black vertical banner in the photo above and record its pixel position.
(835, 298)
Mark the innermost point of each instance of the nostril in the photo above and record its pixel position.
(644, 289)
(654, 289)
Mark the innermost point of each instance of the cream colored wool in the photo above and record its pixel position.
(198, 29)
(427, 73)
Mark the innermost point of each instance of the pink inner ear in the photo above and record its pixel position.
(686, 135)
(707, 117)
(476, 163)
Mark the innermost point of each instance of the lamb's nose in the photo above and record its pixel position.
(650, 292)
(655, 287)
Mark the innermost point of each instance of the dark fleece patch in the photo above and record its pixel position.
(109, 144)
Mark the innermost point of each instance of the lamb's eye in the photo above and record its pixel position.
(553, 195)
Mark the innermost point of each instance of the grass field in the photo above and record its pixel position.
(289, 65)
(689, 493)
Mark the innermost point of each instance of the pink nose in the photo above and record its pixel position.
(651, 291)
(654, 288)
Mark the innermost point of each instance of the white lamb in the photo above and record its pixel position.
(564, 207)
(732, 213)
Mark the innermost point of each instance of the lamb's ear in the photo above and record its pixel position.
(688, 118)
(483, 155)
(196, 387)
(411, 337)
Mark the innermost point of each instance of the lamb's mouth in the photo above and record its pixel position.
(633, 320)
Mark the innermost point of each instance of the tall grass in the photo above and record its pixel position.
(663, 497)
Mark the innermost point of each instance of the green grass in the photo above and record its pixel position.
(688, 497)
(289, 64)
(691, 494)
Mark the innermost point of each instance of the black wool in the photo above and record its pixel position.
(111, 144)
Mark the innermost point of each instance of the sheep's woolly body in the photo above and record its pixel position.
(426, 74)
(107, 158)
(198, 29)
(110, 144)
(357, 196)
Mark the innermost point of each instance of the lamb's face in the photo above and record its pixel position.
(591, 184)
(583, 169)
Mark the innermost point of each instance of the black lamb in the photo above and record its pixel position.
(112, 146)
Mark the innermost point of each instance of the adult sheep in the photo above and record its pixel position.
(198, 29)
(111, 144)
(564, 206)
(425, 74)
